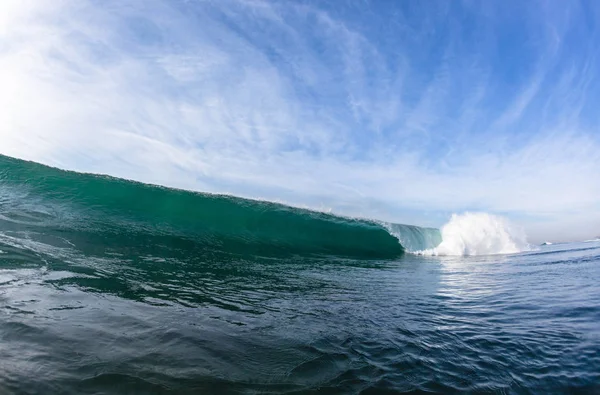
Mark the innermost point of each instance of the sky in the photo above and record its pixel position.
(406, 111)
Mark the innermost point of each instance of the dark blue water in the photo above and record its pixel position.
(72, 323)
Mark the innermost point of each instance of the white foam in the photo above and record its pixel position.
(479, 234)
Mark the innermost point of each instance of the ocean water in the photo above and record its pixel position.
(109, 286)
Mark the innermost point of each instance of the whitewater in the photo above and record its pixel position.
(479, 234)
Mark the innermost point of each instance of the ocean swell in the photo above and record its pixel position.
(93, 208)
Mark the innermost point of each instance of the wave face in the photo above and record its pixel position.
(479, 234)
(99, 210)
(413, 238)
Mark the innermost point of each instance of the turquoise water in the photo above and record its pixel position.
(109, 286)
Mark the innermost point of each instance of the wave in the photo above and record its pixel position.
(479, 234)
(87, 205)
(101, 212)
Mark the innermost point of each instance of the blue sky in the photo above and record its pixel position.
(399, 110)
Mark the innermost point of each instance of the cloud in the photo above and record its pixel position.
(405, 114)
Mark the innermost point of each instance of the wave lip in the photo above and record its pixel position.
(471, 234)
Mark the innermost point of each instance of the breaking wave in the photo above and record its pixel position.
(103, 213)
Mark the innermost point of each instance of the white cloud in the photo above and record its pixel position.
(285, 101)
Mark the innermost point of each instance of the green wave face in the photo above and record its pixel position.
(99, 214)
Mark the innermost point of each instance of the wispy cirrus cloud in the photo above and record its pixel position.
(403, 111)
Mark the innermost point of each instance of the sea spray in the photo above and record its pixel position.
(479, 234)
